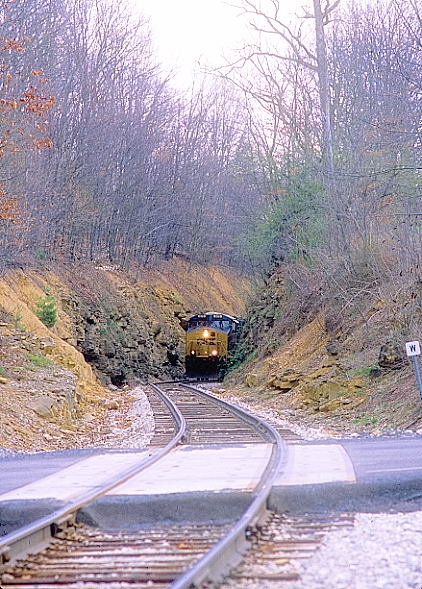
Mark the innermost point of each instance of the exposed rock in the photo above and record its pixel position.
(42, 406)
(3, 380)
(375, 372)
(332, 405)
(321, 393)
(111, 405)
(333, 347)
(252, 380)
(46, 345)
(333, 389)
(162, 338)
(285, 380)
(324, 372)
(123, 341)
(391, 356)
(156, 328)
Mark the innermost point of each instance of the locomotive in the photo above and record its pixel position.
(210, 341)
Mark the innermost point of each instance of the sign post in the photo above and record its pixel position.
(413, 350)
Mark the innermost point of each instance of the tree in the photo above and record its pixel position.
(24, 107)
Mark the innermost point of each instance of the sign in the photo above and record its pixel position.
(413, 349)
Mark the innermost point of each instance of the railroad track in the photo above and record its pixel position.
(176, 556)
(88, 557)
(280, 546)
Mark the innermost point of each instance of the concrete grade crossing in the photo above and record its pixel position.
(68, 483)
(212, 482)
(316, 464)
(186, 469)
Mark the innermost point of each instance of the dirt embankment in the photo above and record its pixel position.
(112, 329)
(344, 370)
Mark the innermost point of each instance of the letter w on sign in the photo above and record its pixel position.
(413, 348)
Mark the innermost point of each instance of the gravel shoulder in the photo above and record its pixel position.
(382, 551)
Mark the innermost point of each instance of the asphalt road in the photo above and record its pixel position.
(394, 460)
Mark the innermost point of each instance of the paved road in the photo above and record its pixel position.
(376, 474)
(364, 474)
(386, 459)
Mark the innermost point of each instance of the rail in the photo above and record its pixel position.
(38, 530)
(229, 548)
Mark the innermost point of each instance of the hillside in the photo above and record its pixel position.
(341, 371)
(112, 331)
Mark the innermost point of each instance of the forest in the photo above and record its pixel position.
(303, 151)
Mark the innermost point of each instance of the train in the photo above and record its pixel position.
(210, 342)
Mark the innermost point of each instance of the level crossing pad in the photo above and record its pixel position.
(69, 483)
(184, 471)
(314, 464)
(201, 468)
(190, 483)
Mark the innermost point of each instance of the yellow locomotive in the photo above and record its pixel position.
(210, 339)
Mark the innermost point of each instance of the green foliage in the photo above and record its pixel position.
(240, 357)
(364, 371)
(41, 255)
(116, 329)
(3, 371)
(39, 361)
(17, 321)
(47, 310)
(363, 419)
(291, 226)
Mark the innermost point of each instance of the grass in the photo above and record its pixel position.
(39, 361)
(363, 419)
(363, 371)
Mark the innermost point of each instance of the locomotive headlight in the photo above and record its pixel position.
(206, 333)
(193, 353)
(214, 353)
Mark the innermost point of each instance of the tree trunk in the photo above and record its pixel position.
(324, 90)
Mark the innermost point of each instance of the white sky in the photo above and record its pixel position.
(188, 31)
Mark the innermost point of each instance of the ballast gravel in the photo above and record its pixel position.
(307, 433)
(141, 429)
(381, 551)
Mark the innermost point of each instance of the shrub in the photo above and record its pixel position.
(47, 310)
(290, 227)
(17, 322)
(41, 255)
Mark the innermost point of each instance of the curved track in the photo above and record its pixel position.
(202, 420)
